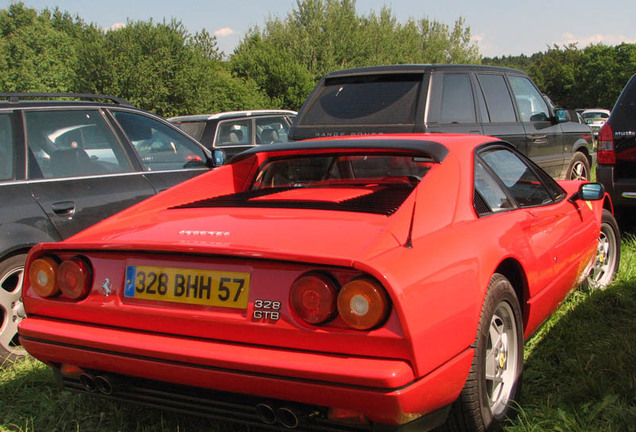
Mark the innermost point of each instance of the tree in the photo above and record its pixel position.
(38, 51)
(288, 56)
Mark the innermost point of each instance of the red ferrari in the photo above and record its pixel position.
(359, 284)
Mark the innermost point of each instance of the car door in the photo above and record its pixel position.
(544, 137)
(78, 171)
(551, 225)
(166, 155)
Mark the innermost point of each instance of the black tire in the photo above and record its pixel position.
(579, 168)
(608, 255)
(494, 381)
(11, 308)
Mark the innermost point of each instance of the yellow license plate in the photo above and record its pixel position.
(179, 285)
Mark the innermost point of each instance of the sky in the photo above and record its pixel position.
(509, 27)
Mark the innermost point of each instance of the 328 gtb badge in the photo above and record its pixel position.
(266, 310)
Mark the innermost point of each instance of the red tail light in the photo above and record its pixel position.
(74, 278)
(606, 152)
(313, 298)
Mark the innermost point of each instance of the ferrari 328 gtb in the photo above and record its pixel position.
(359, 284)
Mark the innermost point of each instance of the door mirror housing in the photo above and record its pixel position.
(589, 192)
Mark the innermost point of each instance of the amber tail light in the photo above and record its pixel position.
(42, 276)
(363, 304)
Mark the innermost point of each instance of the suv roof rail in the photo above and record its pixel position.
(15, 97)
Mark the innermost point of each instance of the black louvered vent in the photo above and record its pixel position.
(385, 201)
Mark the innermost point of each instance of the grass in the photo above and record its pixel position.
(580, 376)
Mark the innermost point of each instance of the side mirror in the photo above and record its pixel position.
(589, 192)
(562, 115)
(219, 157)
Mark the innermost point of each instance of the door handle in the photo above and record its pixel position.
(63, 207)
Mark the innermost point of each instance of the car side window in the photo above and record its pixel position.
(522, 183)
(531, 105)
(6, 148)
(271, 130)
(72, 143)
(458, 105)
(159, 146)
(233, 132)
(498, 100)
(490, 191)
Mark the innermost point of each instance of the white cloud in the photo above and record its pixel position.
(224, 32)
(605, 39)
(117, 26)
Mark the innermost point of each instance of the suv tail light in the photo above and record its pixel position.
(606, 153)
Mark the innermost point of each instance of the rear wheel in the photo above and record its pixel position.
(11, 307)
(494, 381)
(579, 168)
(607, 256)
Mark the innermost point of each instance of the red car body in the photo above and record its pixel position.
(432, 254)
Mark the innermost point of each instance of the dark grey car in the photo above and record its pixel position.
(68, 164)
(487, 100)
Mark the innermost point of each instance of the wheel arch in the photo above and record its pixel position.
(514, 272)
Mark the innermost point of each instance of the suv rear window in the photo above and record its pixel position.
(371, 99)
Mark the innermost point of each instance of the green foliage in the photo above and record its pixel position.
(288, 56)
(592, 77)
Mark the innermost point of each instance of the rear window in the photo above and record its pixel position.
(194, 129)
(373, 99)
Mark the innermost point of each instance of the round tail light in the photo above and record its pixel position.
(363, 304)
(42, 277)
(74, 278)
(313, 298)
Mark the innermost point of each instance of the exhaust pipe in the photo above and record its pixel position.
(88, 382)
(287, 417)
(103, 384)
(266, 413)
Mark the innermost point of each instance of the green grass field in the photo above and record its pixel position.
(580, 375)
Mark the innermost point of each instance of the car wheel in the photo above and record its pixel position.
(494, 380)
(607, 256)
(579, 168)
(11, 307)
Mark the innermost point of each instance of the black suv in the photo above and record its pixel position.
(616, 168)
(448, 98)
(68, 161)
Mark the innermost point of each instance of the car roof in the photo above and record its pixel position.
(417, 68)
(30, 99)
(229, 115)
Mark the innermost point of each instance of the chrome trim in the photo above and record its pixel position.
(100, 176)
(629, 195)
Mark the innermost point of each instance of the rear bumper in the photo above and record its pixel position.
(622, 191)
(384, 390)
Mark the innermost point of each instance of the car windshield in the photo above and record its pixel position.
(321, 171)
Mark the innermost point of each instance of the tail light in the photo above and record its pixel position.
(313, 298)
(363, 304)
(42, 276)
(74, 278)
(606, 152)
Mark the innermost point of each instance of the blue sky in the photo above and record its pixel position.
(500, 27)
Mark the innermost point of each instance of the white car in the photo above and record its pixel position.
(595, 118)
